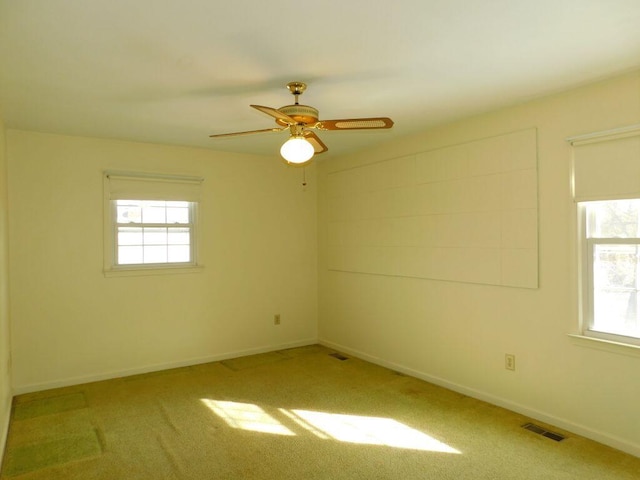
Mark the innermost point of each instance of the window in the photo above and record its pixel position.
(611, 261)
(606, 189)
(150, 222)
(153, 232)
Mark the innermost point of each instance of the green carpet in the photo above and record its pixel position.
(294, 414)
(50, 431)
(49, 405)
(27, 458)
(253, 361)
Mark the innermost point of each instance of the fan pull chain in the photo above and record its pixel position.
(304, 176)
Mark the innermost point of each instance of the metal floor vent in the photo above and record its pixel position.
(545, 433)
(339, 356)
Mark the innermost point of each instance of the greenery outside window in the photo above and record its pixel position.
(611, 262)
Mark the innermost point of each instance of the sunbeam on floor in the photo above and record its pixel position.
(246, 416)
(341, 427)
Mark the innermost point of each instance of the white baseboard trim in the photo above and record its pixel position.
(584, 431)
(67, 382)
(4, 430)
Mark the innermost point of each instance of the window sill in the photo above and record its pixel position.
(145, 271)
(605, 345)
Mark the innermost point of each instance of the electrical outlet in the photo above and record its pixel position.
(509, 361)
(276, 319)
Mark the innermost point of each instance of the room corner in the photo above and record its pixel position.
(5, 355)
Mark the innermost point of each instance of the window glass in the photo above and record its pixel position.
(178, 214)
(146, 232)
(129, 213)
(612, 255)
(615, 289)
(613, 219)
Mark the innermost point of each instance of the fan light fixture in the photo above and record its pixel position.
(301, 120)
(297, 150)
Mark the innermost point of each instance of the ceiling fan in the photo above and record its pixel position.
(301, 120)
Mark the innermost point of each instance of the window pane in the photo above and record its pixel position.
(129, 255)
(179, 253)
(179, 236)
(177, 215)
(613, 219)
(615, 289)
(168, 242)
(155, 254)
(153, 213)
(128, 212)
(129, 236)
(155, 236)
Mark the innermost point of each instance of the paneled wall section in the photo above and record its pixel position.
(464, 213)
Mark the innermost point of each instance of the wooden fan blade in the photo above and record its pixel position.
(355, 123)
(275, 114)
(250, 132)
(314, 140)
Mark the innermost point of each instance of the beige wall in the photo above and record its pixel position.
(72, 324)
(457, 334)
(5, 352)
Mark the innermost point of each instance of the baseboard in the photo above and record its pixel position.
(4, 431)
(66, 382)
(600, 437)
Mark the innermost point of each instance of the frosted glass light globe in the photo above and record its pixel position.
(297, 150)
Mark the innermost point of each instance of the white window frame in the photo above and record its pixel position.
(604, 167)
(587, 281)
(151, 187)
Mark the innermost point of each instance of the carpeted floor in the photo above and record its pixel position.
(295, 414)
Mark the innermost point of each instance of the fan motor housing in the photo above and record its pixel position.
(300, 113)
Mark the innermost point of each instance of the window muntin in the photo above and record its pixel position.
(153, 232)
(612, 259)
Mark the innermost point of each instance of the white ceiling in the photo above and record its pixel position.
(175, 71)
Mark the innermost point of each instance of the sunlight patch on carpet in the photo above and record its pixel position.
(372, 431)
(341, 427)
(247, 416)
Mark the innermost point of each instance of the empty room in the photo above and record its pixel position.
(331, 240)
